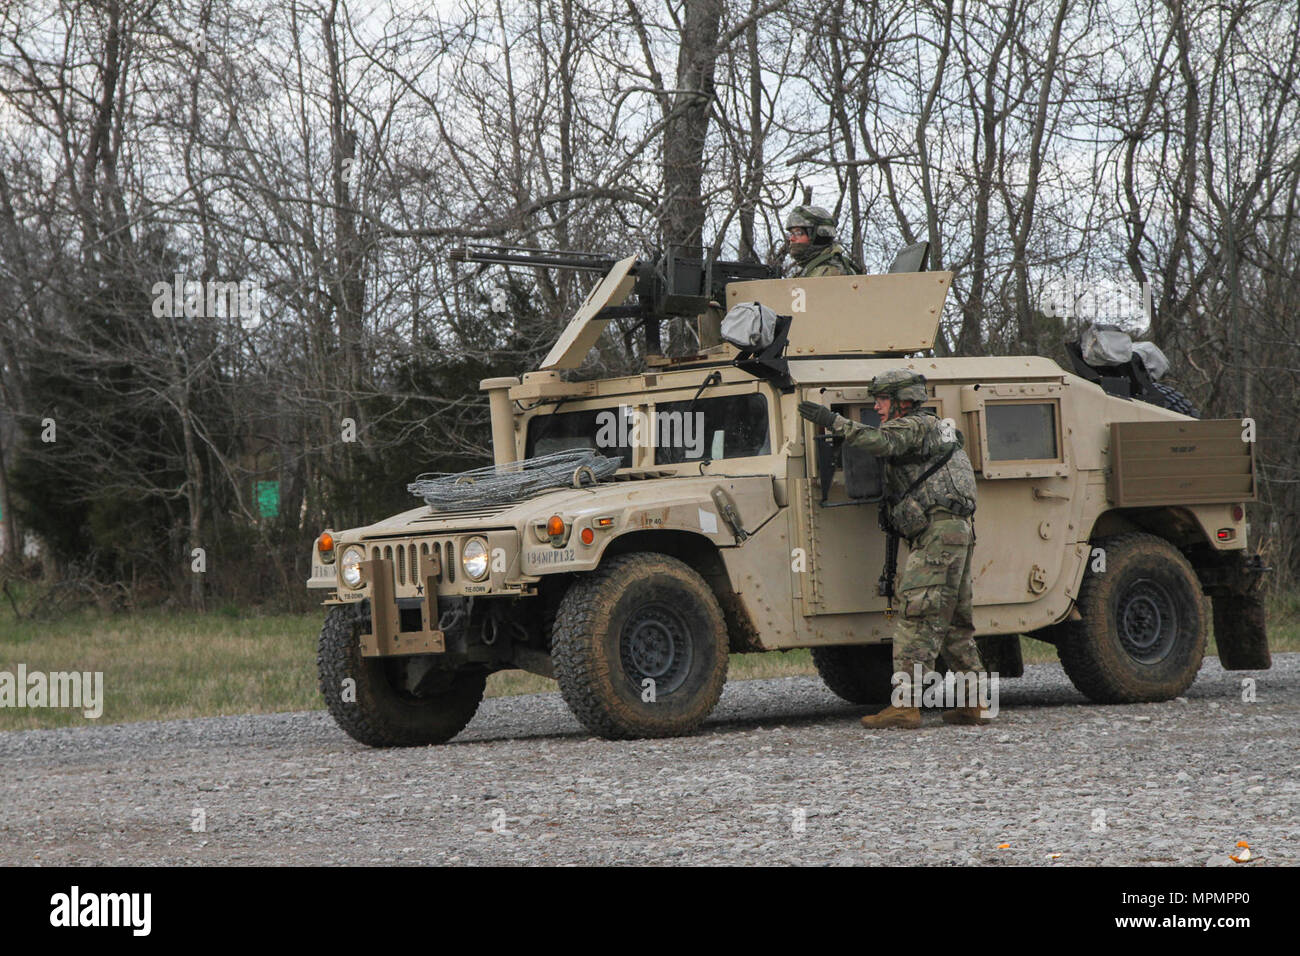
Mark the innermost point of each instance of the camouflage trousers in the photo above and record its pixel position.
(936, 601)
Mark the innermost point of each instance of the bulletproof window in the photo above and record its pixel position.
(730, 426)
(562, 431)
(1022, 431)
(863, 472)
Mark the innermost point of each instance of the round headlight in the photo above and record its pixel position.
(350, 566)
(474, 559)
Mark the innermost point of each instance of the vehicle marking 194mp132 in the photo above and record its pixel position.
(541, 558)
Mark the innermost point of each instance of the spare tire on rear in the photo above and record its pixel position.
(1172, 399)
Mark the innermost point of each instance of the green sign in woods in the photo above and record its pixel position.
(268, 498)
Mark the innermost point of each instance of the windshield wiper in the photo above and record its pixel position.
(713, 378)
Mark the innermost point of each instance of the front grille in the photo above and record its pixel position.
(410, 563)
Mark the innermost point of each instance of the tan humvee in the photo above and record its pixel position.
(1105, 526)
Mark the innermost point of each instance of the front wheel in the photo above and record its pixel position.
(390, 701)
(1142, 636)
(640, 648)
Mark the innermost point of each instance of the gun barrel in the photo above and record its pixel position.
(526, 256)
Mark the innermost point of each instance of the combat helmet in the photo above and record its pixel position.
(819, 223)
(899, 384)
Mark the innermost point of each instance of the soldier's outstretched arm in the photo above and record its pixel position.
(893, 438)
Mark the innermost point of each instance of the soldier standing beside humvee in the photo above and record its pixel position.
(930, 488)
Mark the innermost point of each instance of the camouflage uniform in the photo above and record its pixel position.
(822, 256)
(936, 521)
(829, 260)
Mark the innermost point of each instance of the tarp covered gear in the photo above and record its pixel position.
(749, 325)
(1105, 345)
(1154, 359)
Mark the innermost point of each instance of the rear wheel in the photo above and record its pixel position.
(394, 701)
(861, 675)
(1142, 636)
(640, 648)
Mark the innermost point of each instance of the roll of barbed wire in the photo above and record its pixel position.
(513, 481)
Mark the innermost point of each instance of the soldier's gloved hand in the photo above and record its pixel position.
(817, 414)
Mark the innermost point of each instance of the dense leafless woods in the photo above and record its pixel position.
(327, 155)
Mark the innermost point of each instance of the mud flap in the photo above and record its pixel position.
(1239, 630)
(1234, 582)
(1001, 654)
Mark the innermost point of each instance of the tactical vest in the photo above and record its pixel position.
(951, 486)
(833, 255)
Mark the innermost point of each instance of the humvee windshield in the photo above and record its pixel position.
(734, 426)
(731, 426)
(562, 431)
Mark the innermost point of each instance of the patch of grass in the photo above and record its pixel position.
(1037, 652)
(1283, 623)
(160, 665)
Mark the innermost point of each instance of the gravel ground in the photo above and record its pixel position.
(782, 773)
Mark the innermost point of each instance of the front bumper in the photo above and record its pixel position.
(386, 637)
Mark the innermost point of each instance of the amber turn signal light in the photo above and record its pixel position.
(325, 542)
(557, 532)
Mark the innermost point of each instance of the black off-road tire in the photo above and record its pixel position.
(1172, 399)
(639, 616)
(1143, 631)
(860, 675)
(381, 714)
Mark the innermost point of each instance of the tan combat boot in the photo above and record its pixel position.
(908, 718)
(966, 716)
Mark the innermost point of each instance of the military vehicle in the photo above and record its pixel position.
(1107, 525)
